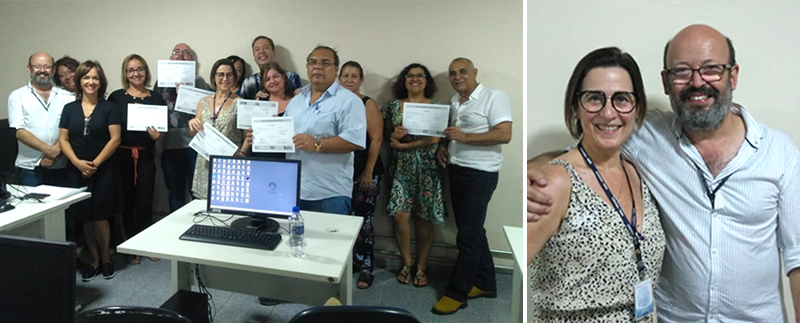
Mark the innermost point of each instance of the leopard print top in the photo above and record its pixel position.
(587, 270)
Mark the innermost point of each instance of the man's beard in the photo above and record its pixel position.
(696, 118)
(41, 81)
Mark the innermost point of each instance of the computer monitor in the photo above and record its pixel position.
(38, 280)
(260, 188)
(8, 154)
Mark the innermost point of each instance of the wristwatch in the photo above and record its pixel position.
(318, 145)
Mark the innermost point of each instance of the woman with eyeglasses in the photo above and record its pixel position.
(367, 174)
(64, 70)
(276, 88)
(219, 110)
(416, 190)
(89, 134)
(136, 153)
(601, 246)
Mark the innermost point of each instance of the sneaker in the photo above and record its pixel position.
(89, 273)
(108, 271)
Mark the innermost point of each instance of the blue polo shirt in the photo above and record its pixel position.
(340, 113)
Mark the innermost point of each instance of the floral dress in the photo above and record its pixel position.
(226, 124)
(417, 183)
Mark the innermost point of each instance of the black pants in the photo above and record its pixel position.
(470, 192)
(137, 198)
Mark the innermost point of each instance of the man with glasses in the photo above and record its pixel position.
(727, 187)
(178, 160)
(264, 53)
(480, 123)
(35, 111)
(329, 123)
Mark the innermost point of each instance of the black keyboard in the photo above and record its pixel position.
(232, 237)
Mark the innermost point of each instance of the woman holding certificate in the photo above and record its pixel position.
(367, 174)
(277, 88)
(136, 153)
(416, 186)
(89, 134)
(218, 110)
(599, 250)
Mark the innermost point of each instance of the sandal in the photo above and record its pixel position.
(366, 278)
(134, 260)
(419, 278)
(405, 275)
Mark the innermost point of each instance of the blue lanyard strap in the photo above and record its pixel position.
(637, 237)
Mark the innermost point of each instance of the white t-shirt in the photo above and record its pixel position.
(485, 109)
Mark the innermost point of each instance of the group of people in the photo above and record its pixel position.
(70, 134)
(678, 216)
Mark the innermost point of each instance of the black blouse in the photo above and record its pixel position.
(88, 136)
(121, 99)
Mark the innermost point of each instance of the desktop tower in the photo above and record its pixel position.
(190, 304)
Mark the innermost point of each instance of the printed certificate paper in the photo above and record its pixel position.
(189, 97)
(273, 135)
(249, 109)
(425, 119)
(142, 116)
(210, 141)
(171, 72)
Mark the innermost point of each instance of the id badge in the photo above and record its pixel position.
(643, 298)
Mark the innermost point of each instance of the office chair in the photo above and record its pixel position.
(354, 314)
(130, 314)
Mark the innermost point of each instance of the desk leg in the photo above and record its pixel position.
(346, 282)
(516, 296)
(52, 226)
(181, 276)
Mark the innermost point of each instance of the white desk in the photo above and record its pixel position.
(514, 236)
(39, 220)
(325, 271)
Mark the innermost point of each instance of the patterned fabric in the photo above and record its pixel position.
(364, 206)
(586, 272)
(417, 183)
(226, 124)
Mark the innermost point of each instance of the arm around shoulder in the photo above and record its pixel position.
(559, 187)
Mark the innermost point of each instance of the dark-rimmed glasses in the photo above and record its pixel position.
(86, 125)
(595, 101)
(709, 73)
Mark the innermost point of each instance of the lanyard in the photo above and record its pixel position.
(711, 194)
(45, 106)
(216, 112)
(637, 237)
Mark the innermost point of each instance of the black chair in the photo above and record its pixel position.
(130, 314)
(353, 314)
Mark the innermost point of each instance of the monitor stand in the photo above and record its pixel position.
(260, 224)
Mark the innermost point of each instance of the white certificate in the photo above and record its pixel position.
(249, 109)
(189, 97)
(210, 141)
(171, 72)
(424, 119)
(142, 116)
(273, 135)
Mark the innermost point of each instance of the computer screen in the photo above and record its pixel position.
(8, 154)
(257, 187)
(38, 280)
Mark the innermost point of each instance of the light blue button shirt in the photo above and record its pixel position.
(722, 262)
(340, 113)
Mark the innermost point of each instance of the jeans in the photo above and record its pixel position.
(178, 166)
(39, 176)
(335, 205)
(470, 192)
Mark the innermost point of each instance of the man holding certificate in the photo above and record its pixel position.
(178, 160)
(330, 123)
(264, 53)
(480, 122)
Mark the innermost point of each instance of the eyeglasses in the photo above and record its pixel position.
(221, 75)
(131, 71)
(709, 73)
(37, 68)
(324, 63)
(418, 76)
(595, 101)
(86, 125)
(184, 53)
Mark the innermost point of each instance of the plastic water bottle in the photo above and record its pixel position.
(296, 230)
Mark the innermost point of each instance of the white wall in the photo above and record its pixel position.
(764, 33)
(384, 36)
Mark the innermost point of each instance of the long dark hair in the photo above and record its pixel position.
(287, 86)
(399, 87)
(84, 69)
(239, 78)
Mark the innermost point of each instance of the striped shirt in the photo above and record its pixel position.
(721, 262)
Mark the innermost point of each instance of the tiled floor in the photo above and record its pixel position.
(148, 284)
